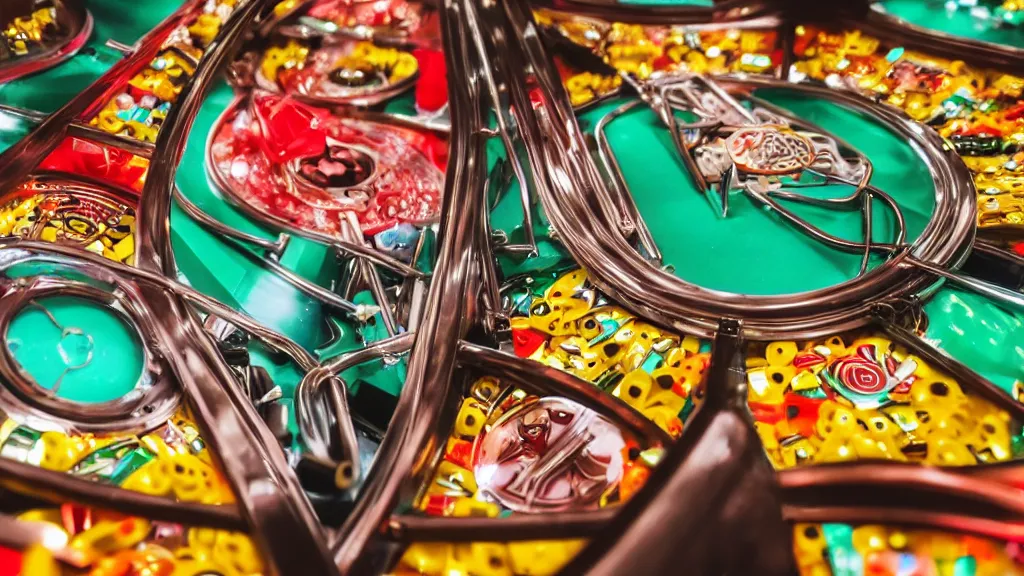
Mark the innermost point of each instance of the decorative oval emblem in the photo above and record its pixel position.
(550, 454)
(860, 374)
(867, 377)
(769, 150)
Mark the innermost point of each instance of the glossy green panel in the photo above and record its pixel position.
(388, 375)
(12, 129)
(507, 217)
(981, 335)
(753, 251)
(215, 267)
(402, 104)
(220, 270)
(506, 214)
(97, 339)
(958, 22)
(50, 89)
(127, 22)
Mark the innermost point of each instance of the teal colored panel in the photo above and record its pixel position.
(12, 129)
(981, 335)
(404, 104)
(842, 556)
(960, 22)
(91, 336)
(52, 88)
(116, 20)
(753, 251)
(219, 269)
(507, 217)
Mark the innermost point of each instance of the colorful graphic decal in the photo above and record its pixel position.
(314, 171)
(830, 401)
(138, 110)
(102, 543)
(96, 223)
(514, 452)
(527, 558)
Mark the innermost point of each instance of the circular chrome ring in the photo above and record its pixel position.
(102, 208)
(620, 270)
(368, 97)
(81, 29)
(53, 181)
(361, 97)
(152, 401)
(662, 13)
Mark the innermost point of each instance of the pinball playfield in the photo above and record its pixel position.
(511, 288)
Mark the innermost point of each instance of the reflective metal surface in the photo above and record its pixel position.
(363, 351)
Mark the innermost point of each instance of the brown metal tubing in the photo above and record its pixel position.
(989, 249)
(279, 342)
(270, 496)
(275, 340)
(141, 149)
(669, 301)
(337, 399)
(518, 527)
(1011, 473)
(1006, 531)
(353, 249)
(712, 492)
(975, 52)
(153, 237)
(535, 376)
(60, 487)
(949, 481)
(81, 27)
(157, 397)
(25, 114)
(283, 522)
(658, 14)
(275, 247)
(787, 42)
(405, 454)
(398, 344)
(268, 493)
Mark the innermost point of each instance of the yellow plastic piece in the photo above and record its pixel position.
(38, 561)
(542, 557)
(108, 536)
(471, 418)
